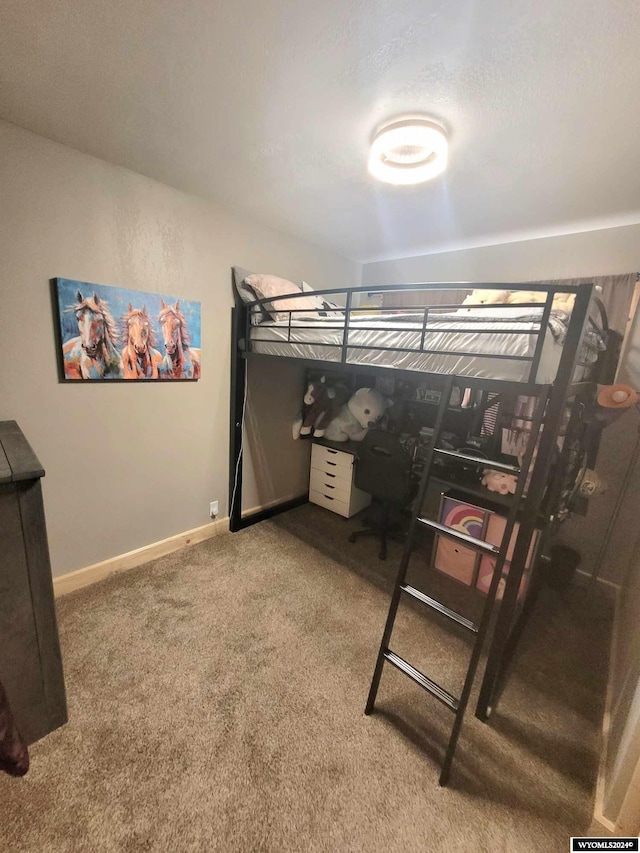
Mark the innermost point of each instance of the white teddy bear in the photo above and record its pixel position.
(521, 297)
(357, 416)
(561, 301)
(486, 297)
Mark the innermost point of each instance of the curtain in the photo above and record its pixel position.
(617, 292)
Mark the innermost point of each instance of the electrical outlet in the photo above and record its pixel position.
(213, 509)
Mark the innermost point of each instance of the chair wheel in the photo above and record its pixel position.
(352, 537)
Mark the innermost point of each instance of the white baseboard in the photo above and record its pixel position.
(123, 562)
(90, 574)
(604, 823)
(602, 581)
(598, 814)
(252, 510)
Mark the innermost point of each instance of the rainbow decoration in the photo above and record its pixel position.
(463, 518)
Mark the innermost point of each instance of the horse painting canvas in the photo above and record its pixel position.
(120, 334)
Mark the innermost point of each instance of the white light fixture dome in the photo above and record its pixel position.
(408, 151)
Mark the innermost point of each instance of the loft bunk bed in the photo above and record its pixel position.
(502, 353)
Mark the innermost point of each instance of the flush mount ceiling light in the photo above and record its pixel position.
(408, 151)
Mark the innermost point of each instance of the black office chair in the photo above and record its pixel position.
(383, 468)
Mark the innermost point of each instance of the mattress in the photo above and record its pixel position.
(394, 340)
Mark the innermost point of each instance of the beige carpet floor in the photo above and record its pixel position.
(216, 704)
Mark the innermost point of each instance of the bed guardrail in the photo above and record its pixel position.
(428, 314)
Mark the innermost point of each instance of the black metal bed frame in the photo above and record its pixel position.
(561, 392)
(427, 312)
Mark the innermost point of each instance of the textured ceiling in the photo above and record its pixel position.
(268, 107)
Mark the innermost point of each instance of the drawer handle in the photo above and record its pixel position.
(335, 452)
(327, 474)
(328, 497)
(332, 463)
(328, 486)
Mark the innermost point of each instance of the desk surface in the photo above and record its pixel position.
(346, 446)
(465, 489)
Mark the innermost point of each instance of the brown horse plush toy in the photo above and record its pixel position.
(14, 755)
(322, 403)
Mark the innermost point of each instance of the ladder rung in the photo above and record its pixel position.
(468, 541)
(421, 679)
(439, 607)
(486, 463)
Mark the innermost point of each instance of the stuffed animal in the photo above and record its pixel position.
(496, 481)
(563, 302)
(322, 403)
(566, 301)
(518, 297)
(364, 410)
(486, 297)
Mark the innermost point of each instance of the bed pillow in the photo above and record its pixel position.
(245, 293)
(325, 308)
(247, 296)
(266, 286)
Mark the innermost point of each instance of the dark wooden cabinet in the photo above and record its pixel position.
(30, 660)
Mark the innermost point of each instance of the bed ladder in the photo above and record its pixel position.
(456, 704)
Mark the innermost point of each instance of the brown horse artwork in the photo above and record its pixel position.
(92, 354)
(139, 358)
(180, 360)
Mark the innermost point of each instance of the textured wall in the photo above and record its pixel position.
(603, 252)
(128, 464)
(623, 736)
